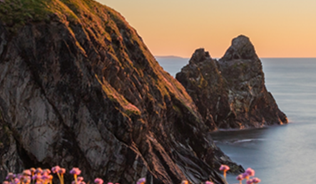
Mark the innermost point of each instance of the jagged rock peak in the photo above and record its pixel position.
(199, 55)
(241, 48)
(231, 92)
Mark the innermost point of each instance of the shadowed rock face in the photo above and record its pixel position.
(80, 89)
(230, 93)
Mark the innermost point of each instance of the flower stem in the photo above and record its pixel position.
(75, 176)
(60, 180)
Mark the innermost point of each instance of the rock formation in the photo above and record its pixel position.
(78, 88)
(230, 92)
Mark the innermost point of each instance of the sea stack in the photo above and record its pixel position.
(230, 92)
(79, 88)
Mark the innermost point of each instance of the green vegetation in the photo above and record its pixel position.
(16, 13)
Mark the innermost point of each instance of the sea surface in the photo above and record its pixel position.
(278, 154)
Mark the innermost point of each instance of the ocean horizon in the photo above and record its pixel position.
(278, 154)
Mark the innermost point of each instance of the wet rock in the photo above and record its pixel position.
(230, 92)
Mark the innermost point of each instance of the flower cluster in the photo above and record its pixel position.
(247, 175)
(37, 176)
(45, 176)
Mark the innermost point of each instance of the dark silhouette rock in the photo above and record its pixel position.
(230, 93)
(78, 88)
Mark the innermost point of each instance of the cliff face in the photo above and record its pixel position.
(230, 92)
(78, 88)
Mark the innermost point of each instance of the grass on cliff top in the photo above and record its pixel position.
(16, 13)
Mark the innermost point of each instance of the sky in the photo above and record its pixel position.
(277, 28)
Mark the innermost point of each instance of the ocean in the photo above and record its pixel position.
(278, 154)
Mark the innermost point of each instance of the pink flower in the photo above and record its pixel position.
(98, 181)
(46, 171)
(256, 180)
(16, 181)
(33, 170)
(249, 181)
(80, 179)
(75, 171)
(45, 176)
(141, 181)
(38, 176)
(27, 179)
(10, 176)
(27, 172)
(245, 175)
(240, 177)
(224, 168)
(63, 171)
(5, 182)
(250, 172)
(39, 170)
(55, 169)
(208, 182)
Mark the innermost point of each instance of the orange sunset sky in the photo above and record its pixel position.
(277, 28)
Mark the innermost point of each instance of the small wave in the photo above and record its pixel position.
(239, 141)
(244, 140)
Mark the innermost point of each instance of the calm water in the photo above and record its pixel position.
(279, 154)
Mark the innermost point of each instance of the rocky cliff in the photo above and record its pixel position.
(230, 92)
(78, 88)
